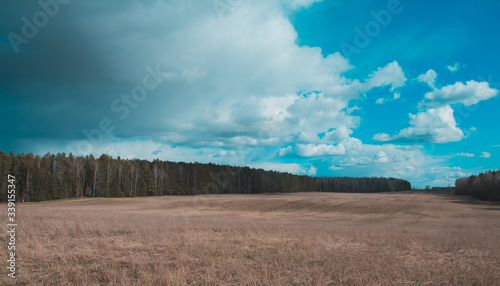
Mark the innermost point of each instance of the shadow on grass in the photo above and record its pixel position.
(468, 200)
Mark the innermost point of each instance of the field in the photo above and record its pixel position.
(406, 238)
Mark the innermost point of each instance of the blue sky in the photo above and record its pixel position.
(405, 89)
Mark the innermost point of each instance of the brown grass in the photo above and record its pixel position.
(285, 239)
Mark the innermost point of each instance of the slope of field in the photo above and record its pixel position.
(268, 239)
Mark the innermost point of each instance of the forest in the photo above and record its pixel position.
(485, 186)
(61, 176)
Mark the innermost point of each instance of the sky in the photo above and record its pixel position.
(384, 88)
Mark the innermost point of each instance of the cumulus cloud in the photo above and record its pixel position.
(433, 125)
(468, 94)
(225, 82)
(313, 150)
(409, 162)
(316, 113)
(335, 168)
(295, 4)
(375, 159)
(312, 171)
(391, 74)
(435, 121)
(429, 77)
(485, 155)
(319, 150)
(382, 157)
(383, 100)
(337, 135)
(444, 175)
(234, 88)
(469, 155)
(454, 68)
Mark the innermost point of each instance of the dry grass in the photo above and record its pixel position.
(286, 239)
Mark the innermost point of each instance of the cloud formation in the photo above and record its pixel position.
(389, 75)
(429, 77)
(469, 155)
(228, 82)
(296, 4)
(467, 94)
(432, 125)
(435, 121)
(454, 68)
(485, 155)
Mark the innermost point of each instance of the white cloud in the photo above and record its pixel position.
(319, 113)
(283, 152)
(469, 155)
(382, 137)
(382, 157)
(434, 125)
(468, 94)
(312, 171)
(383, 100)
(313, 150)
(374, 159)
(296, 4)
(234, 98)
(352, 146)
(335, 168)
(485, 155)
(319, 150)
(337, 135)
(222, 89)
(444, 175)
(409, 162)
(391, 74)
(435, 121)
(429, 77)
(454, 68)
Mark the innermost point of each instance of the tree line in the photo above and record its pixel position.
(485, 186)
(61, 176)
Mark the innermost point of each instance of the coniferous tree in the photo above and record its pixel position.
(57, 176)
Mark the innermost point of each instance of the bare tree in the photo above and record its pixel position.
(77, 174)
(156, 175)
(83, 182)
(162, 176)
(96, 168)
(134, 172)
(26, 195)
(120, 175)
(136, 180)
(109, 174)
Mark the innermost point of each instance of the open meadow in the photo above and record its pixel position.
(405, 238)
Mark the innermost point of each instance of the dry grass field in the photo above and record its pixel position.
(270, 239)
